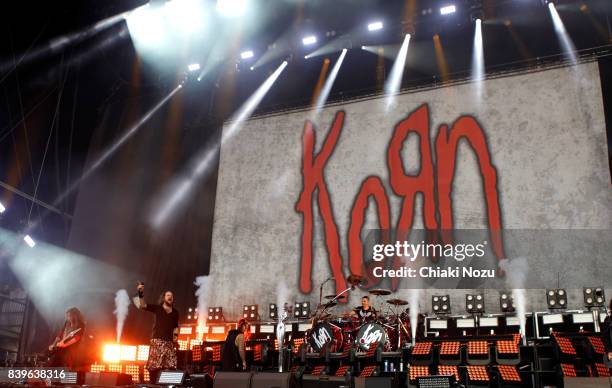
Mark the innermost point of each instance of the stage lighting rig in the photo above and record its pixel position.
(474, 303)
(250, 312)
(440, 304)
(215, 314)
(247, 54)
(192, 313)
(273, 311)
(594, 296)
(506, 302)
(309, 40)
(193, 67)
(301, 310)
(375, 26)
(448, 9)
(556, 298)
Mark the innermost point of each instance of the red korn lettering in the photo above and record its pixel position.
(433, 181)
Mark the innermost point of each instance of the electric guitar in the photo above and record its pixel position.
(61, 344)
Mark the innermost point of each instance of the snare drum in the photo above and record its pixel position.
(324, 333)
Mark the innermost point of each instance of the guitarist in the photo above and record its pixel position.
(63, 350)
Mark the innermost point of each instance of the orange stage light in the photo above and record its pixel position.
(185, 330)
(117, 368)
(183, 345)
(134, 371)
(112, 353)
(96, 368)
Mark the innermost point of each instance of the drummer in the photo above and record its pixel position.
(365, 312)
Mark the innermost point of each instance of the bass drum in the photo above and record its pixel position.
(371, 333)
(324, 333)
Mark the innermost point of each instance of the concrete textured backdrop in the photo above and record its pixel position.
(546, 134)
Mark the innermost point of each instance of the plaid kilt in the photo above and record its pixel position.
(162, 355)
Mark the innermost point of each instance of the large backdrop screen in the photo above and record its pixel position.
(299, 192)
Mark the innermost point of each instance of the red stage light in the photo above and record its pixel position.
(449, 370)
(450, 348)
(418, 371)
(477, 373)
(117, 368)
(509, 373)
(134, 371)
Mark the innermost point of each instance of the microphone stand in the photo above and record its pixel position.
(321, 289)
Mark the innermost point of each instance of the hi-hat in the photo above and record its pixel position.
(380, 291)
(397, 302)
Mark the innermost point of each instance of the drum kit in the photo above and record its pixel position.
(390, 329)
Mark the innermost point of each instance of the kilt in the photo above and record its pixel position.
(162, 355)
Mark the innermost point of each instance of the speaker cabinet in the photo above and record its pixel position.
(586, 382)
(109, 379)
(233, 380)
(272, 380)
(310, 381)
(373, 382)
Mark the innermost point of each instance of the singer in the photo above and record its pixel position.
(162, 352)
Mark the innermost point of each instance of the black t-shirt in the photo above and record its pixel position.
(165, 323)
(365, 314)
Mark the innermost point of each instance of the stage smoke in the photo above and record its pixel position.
(414, 312)
(282, 296)
(202, 291)
(516, 275)
(122, 302)
(180, 188)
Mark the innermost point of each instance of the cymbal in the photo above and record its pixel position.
(334, 297)
(329, 304)
(397, 302)
(380, 291)
(355, 280)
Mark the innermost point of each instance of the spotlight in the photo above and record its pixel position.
(446, 10)
(273, 311)
(474, 304)
(593, 296)
(193, 67)
(2, 208)
(231, 8)
(247, 54)
(301, 310)
(556, 298)
(506, 302)
(440, 304)
(375, 26)
(215, 314)
(28, 240)
(250, 312)
(309, 40)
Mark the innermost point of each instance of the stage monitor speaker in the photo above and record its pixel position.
(310, 381)
(108, 379)
(233, 380)
(586, 382)
(373, 382)
(271, 380)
